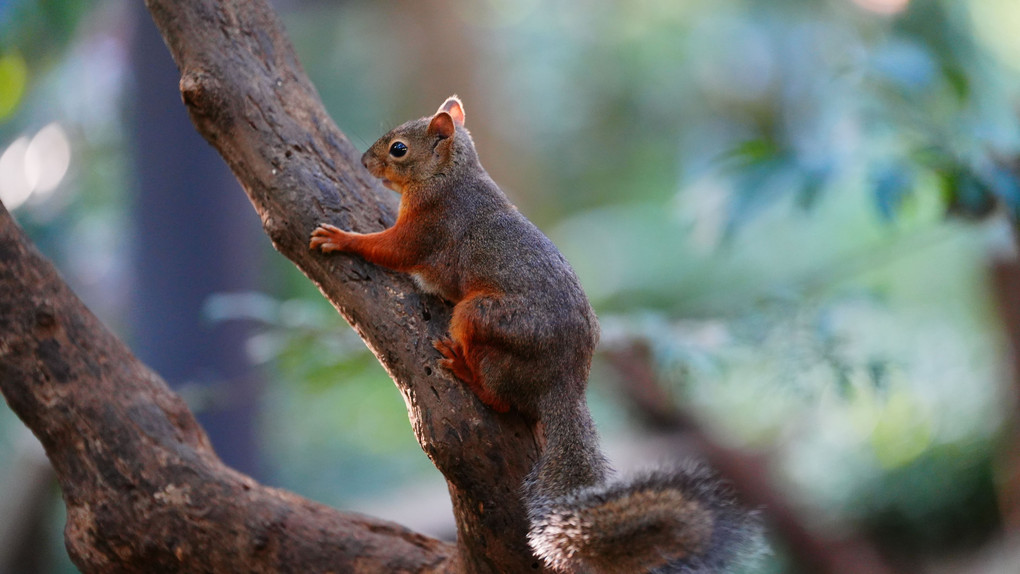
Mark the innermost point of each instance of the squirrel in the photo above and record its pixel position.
(521, 336)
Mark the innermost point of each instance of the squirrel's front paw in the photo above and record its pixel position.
(328, 238)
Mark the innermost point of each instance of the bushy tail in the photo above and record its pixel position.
(679, 521)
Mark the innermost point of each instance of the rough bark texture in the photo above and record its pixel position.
(144, 491)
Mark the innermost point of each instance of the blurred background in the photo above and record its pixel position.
(796, 220)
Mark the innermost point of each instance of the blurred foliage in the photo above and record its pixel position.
(792, 202)
(329, 397)
(13, 76)
(899, 508)
(33, 37)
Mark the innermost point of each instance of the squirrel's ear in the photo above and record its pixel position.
(455, 108)
(442, 125)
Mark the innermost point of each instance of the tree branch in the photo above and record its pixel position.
(1005, 279)
(144, 490)
(249, 97)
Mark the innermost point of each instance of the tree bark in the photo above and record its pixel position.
(144, 490)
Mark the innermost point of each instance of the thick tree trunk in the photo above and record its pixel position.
(144, 491)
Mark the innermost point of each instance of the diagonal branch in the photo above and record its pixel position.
(249, 97)
(144, 490)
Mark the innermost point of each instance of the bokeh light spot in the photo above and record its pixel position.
(14, 186)
(34, 166)
(47, 158)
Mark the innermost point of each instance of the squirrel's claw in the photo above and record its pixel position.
(454, 362)
(326, 237)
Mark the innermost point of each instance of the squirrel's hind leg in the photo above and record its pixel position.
(457, 364)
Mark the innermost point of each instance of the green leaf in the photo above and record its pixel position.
(752, 152)
(966, 195)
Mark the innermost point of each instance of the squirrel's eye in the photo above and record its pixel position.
(398, 149)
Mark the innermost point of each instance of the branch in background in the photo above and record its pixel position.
(1005, 275)
(27, 483)
(642, 390)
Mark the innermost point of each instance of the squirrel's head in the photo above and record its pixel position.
(422, 149)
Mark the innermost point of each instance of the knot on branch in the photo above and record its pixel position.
(46, 320)
(203, 95)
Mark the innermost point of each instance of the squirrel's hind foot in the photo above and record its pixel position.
(454, 362)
